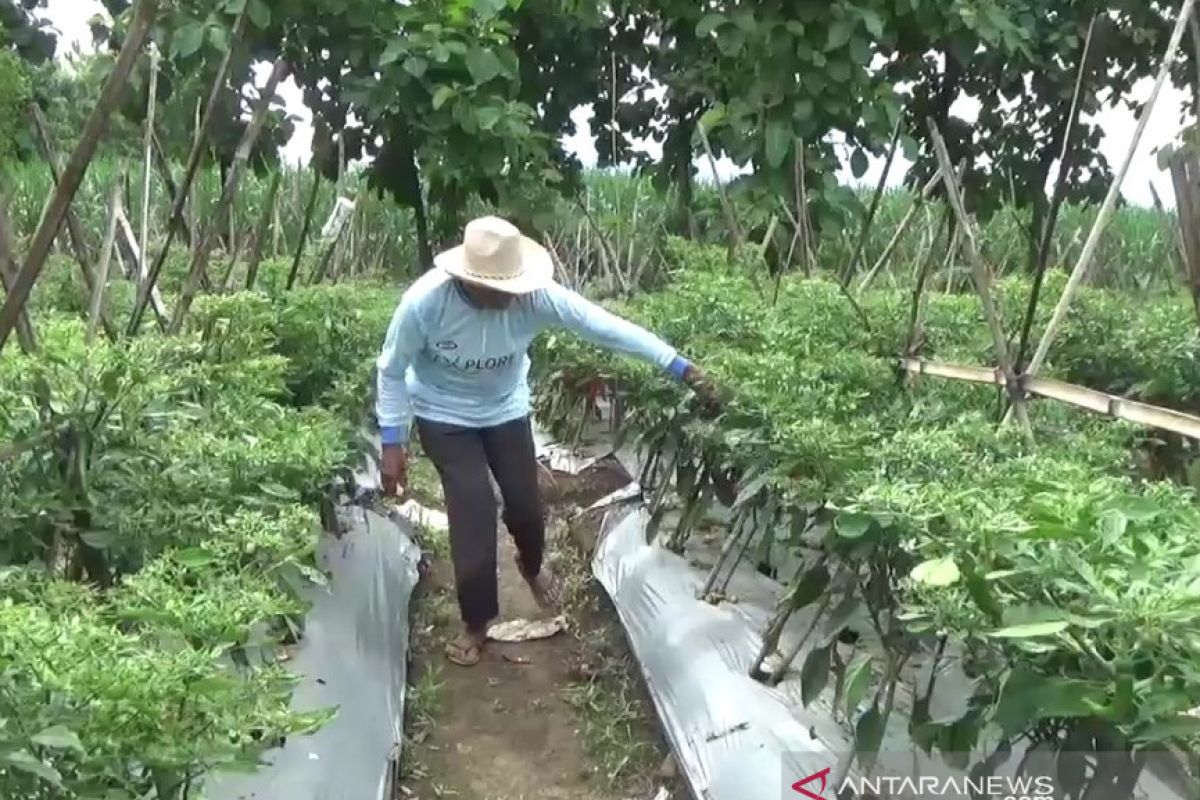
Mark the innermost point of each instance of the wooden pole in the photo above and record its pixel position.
(164, 172)
(1065, 163)
(136, 267)
(148, 159)
(106, 253)
(865, 232)
(228, 194)
(76, 168)
(305, 227)
(8, 275)
(189, 175)
(982, 278)
(735, 230)
(905, 224)
(260, 236)
(1110, 202)
(75, 235)
(1092, 400)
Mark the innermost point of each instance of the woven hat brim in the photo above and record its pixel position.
(537, 269)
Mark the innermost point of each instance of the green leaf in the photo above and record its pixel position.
(852, 525)
(1181, 726)
(751, 490)
(1027, 698)
(1031, 631)
(26, 762)
(779, 142)
(873, 22)
(100, 540)
(259, 13)
(814, 677)
(937, 572)
(709, 23)
(1138, 509)
(488, 116)
(488, 9)
(859, 163)
(483, 65)
(868, 736)
(839, 34)
(195, 557)
(811, 586)
(416, 66)
(189, 39)
(858, 682)
(1113, 525)
(713, 118)
(842, 614)
(442, 95)
(392, 53)
(58, 737)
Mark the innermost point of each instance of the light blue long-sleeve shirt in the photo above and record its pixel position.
(447, 361)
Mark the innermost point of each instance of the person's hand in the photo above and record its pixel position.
(394, 469)
(703, 387)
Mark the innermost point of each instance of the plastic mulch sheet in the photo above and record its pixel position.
(736, 738)
(353, 657)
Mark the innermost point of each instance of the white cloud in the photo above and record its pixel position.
(71, 17)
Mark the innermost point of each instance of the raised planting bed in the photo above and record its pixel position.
(163, 596)
(1056, 578)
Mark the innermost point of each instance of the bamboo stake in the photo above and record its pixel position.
(75, 235)
(8, 274)
(1092, 400)
(1065, 164)
(106, 253)
(189, 175)
(151, 105)
(982, 278)
(304, 229)
(918, 202)
(76, 167)
(735, 230)
(228, 193)
(136, 268)
(1110, 202)
(260, 235)
(865, 232)
(164, 173)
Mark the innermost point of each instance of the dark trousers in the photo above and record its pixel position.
(463, 458)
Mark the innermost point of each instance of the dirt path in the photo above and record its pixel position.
(532, 721)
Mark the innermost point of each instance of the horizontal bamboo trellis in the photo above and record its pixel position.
(1081, 397)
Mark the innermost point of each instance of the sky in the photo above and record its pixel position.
(71, 17)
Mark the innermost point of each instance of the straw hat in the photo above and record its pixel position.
(495, 254)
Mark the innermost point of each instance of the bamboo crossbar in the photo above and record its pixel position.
(1091, 400)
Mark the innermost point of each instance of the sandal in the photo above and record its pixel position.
(464, 653)
(548, 598)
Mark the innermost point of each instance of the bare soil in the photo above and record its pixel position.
(550, 720)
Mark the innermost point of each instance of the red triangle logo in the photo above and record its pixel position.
(823, 776)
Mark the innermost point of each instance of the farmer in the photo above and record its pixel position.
(455, 361)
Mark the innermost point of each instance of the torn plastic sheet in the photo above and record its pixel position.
(734, 737)
(353, 657)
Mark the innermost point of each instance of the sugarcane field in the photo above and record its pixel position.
(659, 400)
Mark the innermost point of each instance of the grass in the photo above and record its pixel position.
(618, 728)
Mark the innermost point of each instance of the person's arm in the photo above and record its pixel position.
(393, 408)
(560, 307)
